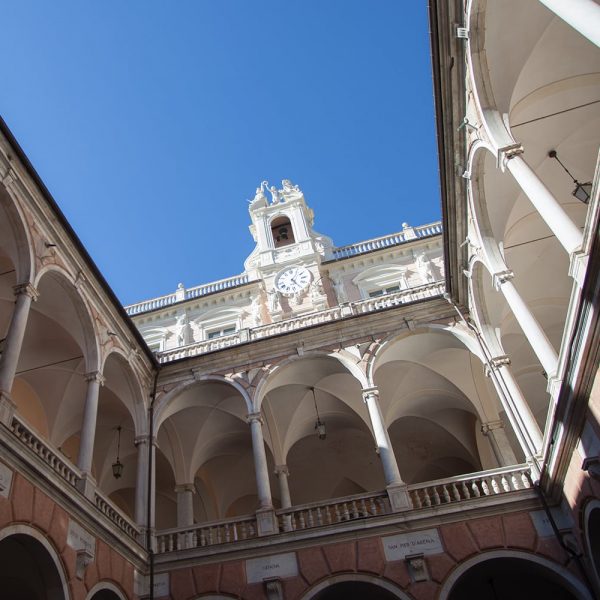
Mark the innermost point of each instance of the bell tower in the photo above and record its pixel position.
(288, 251)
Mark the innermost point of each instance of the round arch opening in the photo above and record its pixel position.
(28, 571)
(512, 578)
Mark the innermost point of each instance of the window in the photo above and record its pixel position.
(282, 232)
(383, 291)
(217, 333)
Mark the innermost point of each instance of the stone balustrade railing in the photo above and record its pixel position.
(52, 458)
(462, 489)
(430, 290)
(187, 294)
(340, 510)
(120, 519)
(207, 534)
(407, 235)
(49, 456)
(469, 487)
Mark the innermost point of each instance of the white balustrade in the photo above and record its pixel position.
(208, 534)
(49, 455)
(191, 293)
(469, 487)
(386, 241)
(63, 468)
(340, 510)
(120, 519)
(430, 290)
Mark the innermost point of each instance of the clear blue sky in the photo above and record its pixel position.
(152, 122)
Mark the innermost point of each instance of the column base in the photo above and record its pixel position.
(266, 522)
(87, 486)
(399, 498)
(7, 409)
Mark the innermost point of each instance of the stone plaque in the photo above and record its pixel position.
(265, 567)
(6, 476)
(141, 584)
(542, 522)
(398, 547)
(79, 539)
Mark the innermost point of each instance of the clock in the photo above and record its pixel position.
(292, 280)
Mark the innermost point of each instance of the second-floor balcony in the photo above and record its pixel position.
(343, 311)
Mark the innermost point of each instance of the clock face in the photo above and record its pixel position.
(292, 280)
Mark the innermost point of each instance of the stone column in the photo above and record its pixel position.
(582, 15)
(261, 470)
(283, 473)
(531, 328)
(266, 522)
(517, 410)
(495, 433)
(25, 293)
(141, 485)
(88, 426)
(396, 487)
(185, 504)
(567, 233)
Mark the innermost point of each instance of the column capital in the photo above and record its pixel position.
(507, 152)
(491, 426)
(502, 277)
(279, 469)
(185, 487)
(95, 376)
(252, 417)
(26, 289)
(143, 439)
(368, 392)
(496, 363)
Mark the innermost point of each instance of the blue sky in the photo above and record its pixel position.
(151, 122)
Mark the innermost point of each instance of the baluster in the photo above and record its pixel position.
(311, 521)
(485, 487)
(525, 480)
(427, 499)
(227, 533)
(505, 484)
(319, 516)
(446, 494)
(170, 542)
(436, 496)
(476, 492)
(354, 510)
(328, 515)
(515, 482)
(495, 485)
(302, 521)
(455, 493)
(195, 538)
(345, 511)
(363, 507)
(338, 516)
(416, 499)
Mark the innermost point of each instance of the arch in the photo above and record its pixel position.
(591, 536)
(137, 408)
(161, 410)
(267, 376)
(282, 230)
(89, 341)
(106, 590)
(392, 589)
(21, 253)
(45, 558)
(573, 585)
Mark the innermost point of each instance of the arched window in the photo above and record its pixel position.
(282, 232)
